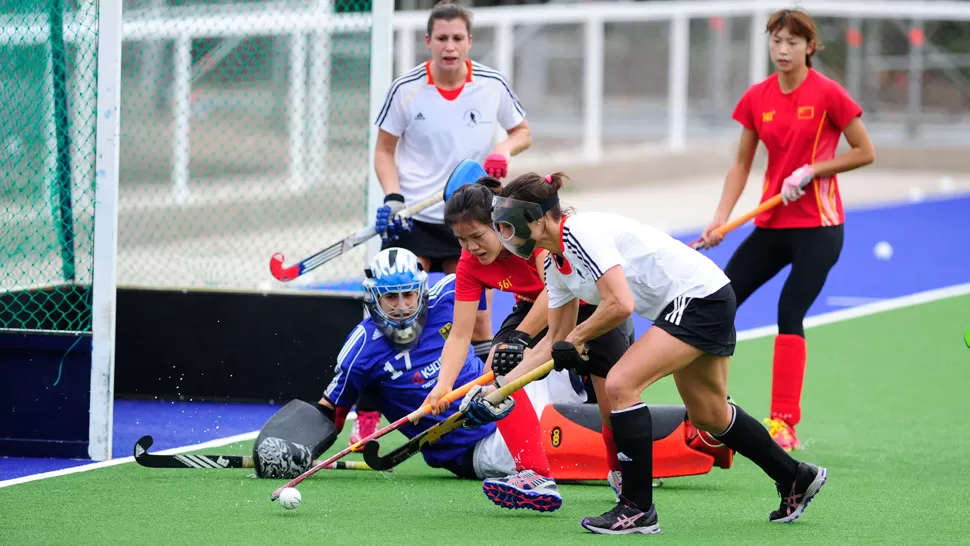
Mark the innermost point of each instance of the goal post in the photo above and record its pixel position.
(104, 285)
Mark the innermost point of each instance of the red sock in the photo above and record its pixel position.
(611, 458)
(522, 435)
(788, 374)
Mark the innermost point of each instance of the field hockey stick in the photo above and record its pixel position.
(434, 433)
(151, 460)
(385, 463)
(724, 229)
(414, 416)
(467, 172)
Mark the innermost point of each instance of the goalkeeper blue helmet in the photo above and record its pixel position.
(396, 296)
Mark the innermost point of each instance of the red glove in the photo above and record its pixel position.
(496, 165)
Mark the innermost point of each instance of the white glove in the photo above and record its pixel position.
(791, 188)
(479, 411)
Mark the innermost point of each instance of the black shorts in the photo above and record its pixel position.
(434, 241)
(706, 323)
(604, 351)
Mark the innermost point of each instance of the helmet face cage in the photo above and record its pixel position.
(396, 277)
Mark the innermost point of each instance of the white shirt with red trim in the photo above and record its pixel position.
(657, 267)
(439, 128)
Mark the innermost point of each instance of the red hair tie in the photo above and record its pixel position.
(548, 179)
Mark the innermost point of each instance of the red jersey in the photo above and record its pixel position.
(508, 273)
(800, 128)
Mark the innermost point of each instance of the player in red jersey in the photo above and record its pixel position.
(799, 115)
(485, 263)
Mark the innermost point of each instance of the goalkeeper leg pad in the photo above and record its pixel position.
(292, 438)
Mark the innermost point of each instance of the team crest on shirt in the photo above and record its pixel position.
(806, 112)
(473, 117)
(445, 330)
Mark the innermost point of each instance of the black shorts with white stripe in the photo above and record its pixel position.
(706, 323)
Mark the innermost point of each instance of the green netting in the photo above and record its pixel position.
(244, 133)
(48, 59)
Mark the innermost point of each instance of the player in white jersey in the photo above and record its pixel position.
(439, 113)
(623, 266)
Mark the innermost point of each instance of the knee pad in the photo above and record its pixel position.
(292, 438)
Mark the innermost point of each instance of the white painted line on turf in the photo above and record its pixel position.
(754, 333)
(218, 442)
(866, 310)
(849, 301)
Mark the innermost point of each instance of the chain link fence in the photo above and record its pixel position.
(244, 133)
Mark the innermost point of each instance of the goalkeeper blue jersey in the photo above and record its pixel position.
(400, 381)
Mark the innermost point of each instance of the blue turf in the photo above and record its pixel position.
(927, 238)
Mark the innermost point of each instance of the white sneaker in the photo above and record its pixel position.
(615, 479)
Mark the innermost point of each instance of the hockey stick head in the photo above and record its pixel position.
(467, 172)
(142, 445)
(281, 273)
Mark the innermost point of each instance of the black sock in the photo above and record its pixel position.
(749, 438)
(633, 434)
(482, 348)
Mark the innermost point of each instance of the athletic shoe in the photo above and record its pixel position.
(615, 479)
(783, 433)
(525, 489)
(364, 425)
(624, 519)
(796, 496)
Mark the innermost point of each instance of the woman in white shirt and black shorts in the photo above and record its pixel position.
(625, 267)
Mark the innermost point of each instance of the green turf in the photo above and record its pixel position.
(885, 410)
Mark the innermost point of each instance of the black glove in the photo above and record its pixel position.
(507, 356)
(566, 357)
(509, 353)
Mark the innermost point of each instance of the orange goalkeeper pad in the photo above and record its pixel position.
(573, 442)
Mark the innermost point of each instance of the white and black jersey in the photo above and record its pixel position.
(438, 129)
(673, 285)
(657, 267)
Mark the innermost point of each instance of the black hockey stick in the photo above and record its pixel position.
(146, 459)
(384, 463)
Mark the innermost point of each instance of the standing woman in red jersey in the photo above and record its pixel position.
(485, 263)
(799, 115)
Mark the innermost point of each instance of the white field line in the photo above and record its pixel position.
(112, 462)
(754, 333)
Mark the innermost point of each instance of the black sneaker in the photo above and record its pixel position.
(624, 519)
(795, 497)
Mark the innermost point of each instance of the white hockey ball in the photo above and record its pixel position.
(883, 250)
(290, 498)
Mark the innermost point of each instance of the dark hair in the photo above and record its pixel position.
(447, 10)
(535, 188)
(799, 23)
(472, 202)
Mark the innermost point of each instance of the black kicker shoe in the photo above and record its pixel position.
(796, 496)
(624, 519)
